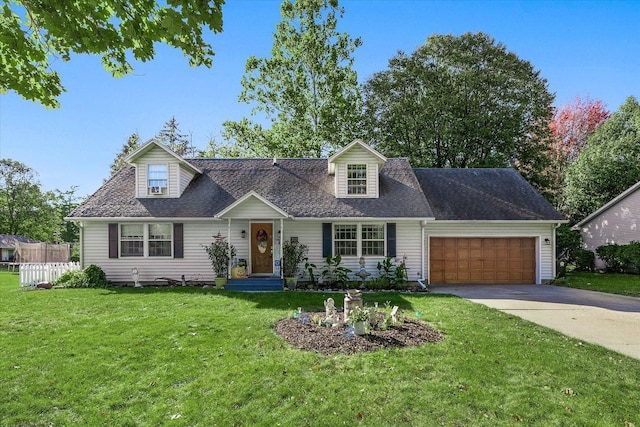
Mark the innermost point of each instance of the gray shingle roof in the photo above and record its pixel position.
(10, 240)
(300, 187)
(483, 194)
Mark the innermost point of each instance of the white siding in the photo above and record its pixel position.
(620, 224)
(545, 262)
(407, 245)
(174, 180)
(195, 265)
(185, 177)
(158, 156)
(253, 208)
(357, 155)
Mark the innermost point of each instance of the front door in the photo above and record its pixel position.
(261, 248)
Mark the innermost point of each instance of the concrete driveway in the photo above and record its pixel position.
(612, 321)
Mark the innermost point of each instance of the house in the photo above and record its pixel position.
(616, 222)
(447, 226)
(8, 245)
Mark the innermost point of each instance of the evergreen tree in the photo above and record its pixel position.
(171, 136)
(128, 147)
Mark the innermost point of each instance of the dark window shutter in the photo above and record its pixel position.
(326, 239)
(178, 240)
(113, 240)
(391, 239)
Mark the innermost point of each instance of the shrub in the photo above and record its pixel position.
(568, 242)
(610, 255)
(220, 253)
(96, 277)
(72, 279)
(75, 252)
(629, 256)
(585, 260)
(293, 254)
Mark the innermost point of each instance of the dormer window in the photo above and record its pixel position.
(157, 179)
(357, 179)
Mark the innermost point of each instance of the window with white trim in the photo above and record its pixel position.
(372, 238)
(157, 176)
(345, 240)
(152, 240)
(160, 238)
(359, 239)
(131, 240)
(357, 179)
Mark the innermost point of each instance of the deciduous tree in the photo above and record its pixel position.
(32, 33)
(24, 208)
(608, 164)
(307, 89)
(64, 203)
(461, 101)
(570, 127)
(573, 123)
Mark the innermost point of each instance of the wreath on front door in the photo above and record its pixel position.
(261, 240)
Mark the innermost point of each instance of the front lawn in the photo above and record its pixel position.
(622, 284)
(194, 357)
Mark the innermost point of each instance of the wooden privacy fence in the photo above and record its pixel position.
(32, 274)
(42, 252)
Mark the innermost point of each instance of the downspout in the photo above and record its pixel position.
(229, 248)
(421, 280)
(81, 243)
(554, 269)
(422, 226)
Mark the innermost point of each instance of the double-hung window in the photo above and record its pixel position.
(372, 239)
(160, 239)
(345, 240)
(131, 240)
(359, 239)
(357, 179)
(139, 240)
(157, 176)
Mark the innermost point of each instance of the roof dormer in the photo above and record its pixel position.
(356, 169)
(160, 172)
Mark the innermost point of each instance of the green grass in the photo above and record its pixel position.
(194, 357)
(622, 284)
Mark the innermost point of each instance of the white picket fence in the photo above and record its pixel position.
(31, 274)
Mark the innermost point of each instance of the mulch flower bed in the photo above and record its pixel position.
(327, 340)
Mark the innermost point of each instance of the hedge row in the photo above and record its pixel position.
(620, 258)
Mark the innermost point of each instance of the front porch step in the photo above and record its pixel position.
(255, 284)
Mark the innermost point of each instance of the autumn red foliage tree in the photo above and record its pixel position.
(573, 123)
(571, 126)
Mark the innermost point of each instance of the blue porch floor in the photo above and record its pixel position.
(255, 284)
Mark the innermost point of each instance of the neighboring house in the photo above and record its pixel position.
(8, 245)
(446, 225)
(616, 222)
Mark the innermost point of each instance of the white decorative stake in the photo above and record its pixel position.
(135, 275)
(394, 314)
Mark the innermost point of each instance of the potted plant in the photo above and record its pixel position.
(359, 318)
(220, 253)
(293, 254)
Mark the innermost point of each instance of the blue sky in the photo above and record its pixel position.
(583, 48)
